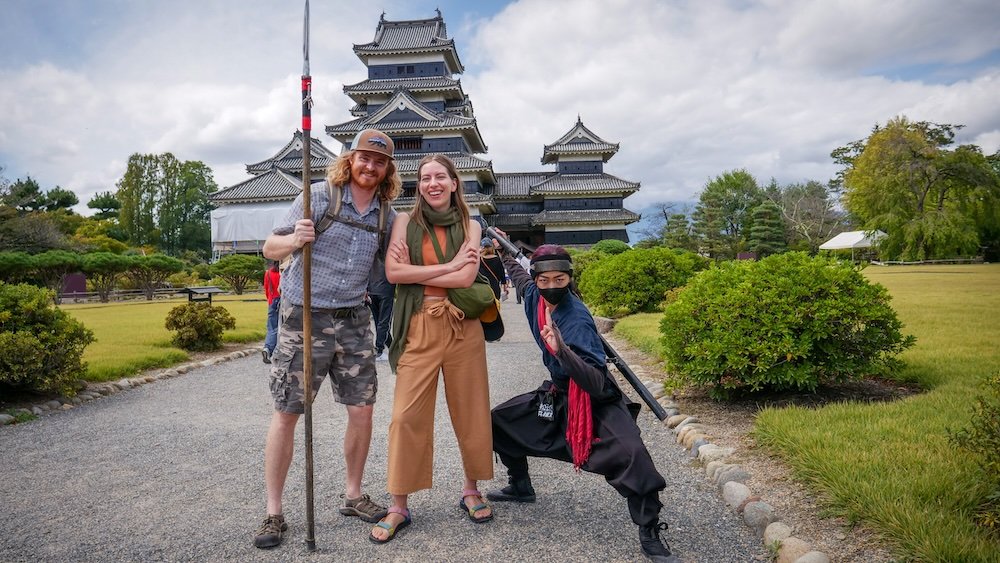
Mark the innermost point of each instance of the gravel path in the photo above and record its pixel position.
(174, 471)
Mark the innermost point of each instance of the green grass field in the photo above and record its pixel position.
(890, 465)
(130, 336)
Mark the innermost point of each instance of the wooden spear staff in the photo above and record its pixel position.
(307, 282)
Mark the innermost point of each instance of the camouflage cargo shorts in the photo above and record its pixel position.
(342, 347)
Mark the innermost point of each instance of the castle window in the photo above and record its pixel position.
(407, 143)
(400, 69)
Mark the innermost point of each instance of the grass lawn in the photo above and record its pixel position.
(890, 465)
(130, 336)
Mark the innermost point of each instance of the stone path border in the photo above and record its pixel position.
(729, 478)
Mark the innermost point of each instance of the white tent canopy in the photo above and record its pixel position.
(852, 240)
(246, 223)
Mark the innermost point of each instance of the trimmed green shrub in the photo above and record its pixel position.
(788, 321)
(199, 326)
(982, 439)
(583, 260)
(611, 246)
(42, 345)
(636, 281)
(239, 270)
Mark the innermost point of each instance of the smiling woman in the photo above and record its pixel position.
(432, 250)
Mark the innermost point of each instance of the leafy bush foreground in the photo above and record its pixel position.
(789, 321)
(199, 326)
(42, 345)
(982, 439)
(636, 281)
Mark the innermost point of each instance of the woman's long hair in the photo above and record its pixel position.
(339, 174)
(457, 196)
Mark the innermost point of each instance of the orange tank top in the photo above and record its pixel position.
(430, 258)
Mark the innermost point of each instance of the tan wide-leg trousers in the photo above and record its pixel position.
(438, 341)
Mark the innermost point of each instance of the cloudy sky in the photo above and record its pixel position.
(689, 88)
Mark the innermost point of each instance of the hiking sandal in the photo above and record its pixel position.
(393, 530)
(471, 511)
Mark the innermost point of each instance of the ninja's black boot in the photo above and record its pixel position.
(519, 490)
(652, 547)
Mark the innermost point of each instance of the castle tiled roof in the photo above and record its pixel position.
(411, 36)
(290, 156)
(510, 219)
(421, 84)
(407, 163)
(579, 141)
(585, 216)
(516, 185)
(276, 185)
(559, 184)
(423, 120)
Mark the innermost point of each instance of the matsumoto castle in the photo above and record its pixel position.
(411, 95)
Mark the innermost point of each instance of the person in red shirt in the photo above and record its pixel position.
(272, 290)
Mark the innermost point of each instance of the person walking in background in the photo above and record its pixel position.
(491, 267)
(434, 248)
(381, 295)
(365, 180)
(272, 291)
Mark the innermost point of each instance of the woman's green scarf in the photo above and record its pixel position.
(410, 296)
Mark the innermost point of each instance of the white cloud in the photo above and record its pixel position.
(690, 89)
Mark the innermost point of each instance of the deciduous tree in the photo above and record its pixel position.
(164, 202)
(810, 215)
(904, 181)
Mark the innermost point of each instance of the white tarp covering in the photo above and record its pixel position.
(246, 221)
(852, 239)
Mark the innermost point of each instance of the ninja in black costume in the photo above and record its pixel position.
(580, 415)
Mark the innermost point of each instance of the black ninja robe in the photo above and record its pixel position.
(618, 452)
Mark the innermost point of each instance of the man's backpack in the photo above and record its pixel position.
(335, 193)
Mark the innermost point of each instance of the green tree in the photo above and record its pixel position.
(164, 202)
(767, 236)
(904, 181)
(25, 195)
(810, 215)
(184, 209)
(239, 270)
(106, 204)
(52, 267)
(138, 191)
(149, 272)
(15, 266)
(58, 198)
(677, 233)
(722, 218)
(103, 270)
(100, 235)
(28, 232)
